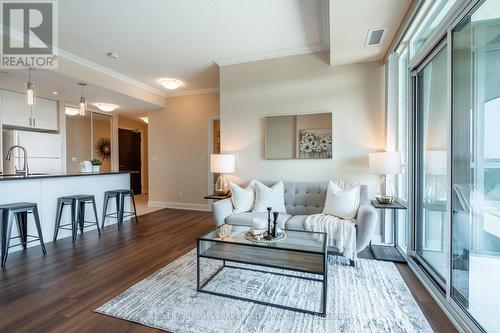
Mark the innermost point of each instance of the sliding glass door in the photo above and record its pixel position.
(402, 145)
(432, 148)
(475, 192)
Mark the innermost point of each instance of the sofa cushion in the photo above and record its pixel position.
(247, 218)
(273, 197)
(296, 222)
(342, 203)
(242, 198)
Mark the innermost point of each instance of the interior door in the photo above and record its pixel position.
(130, 156)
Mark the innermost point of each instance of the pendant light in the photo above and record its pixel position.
(30, 90)
(83, 101)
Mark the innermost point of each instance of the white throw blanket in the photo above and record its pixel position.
(341, 233)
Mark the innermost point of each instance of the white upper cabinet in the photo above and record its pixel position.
(15, 111)
(44, 115)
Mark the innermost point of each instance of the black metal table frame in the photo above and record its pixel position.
(396, 255)
(324, 280)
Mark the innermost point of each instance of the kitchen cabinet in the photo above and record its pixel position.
(44, 115)
(15, 111)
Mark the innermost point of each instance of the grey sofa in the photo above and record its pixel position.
(301, 200)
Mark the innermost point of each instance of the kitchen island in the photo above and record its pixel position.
(44, 189)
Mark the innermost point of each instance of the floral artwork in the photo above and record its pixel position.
(315, 144)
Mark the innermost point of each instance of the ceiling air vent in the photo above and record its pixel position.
(375, 36)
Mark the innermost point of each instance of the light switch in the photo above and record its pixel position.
(154, 158)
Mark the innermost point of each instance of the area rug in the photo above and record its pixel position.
(371, 297)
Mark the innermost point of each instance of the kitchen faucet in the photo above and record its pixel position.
(24, 171)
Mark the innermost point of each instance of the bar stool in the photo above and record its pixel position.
(20, 211)
(119, 196)
(78, 204)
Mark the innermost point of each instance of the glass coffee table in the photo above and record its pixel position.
(299, 252)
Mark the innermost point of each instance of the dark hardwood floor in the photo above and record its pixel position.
(58, 292)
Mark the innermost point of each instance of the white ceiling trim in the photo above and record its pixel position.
(92, 65)
(104, 70)
(193, 92)
(310, 48)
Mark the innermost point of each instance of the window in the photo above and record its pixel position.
(432, 185)
(475, 200)
(402, 145)
(429, 24)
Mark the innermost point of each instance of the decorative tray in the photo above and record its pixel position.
(262, 237)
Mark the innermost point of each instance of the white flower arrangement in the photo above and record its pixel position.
(315, 144)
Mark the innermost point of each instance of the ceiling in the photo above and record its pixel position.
(350, 21)
(189, 40)
(185, 39)
(69, 90)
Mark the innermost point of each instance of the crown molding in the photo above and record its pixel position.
(291, 51)
(193, 92)
(104, 70)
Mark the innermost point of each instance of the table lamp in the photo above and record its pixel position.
(222, 164)
(386, 163)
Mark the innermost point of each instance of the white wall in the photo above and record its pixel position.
(297, 85)
(355, 94)
(178, 151)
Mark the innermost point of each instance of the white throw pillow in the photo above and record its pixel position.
(269, 197)
(242, 198)
(341, 203)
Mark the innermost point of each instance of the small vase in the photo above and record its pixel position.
(96, 168)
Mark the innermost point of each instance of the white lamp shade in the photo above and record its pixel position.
(435, 162)
(221, 163)
(386, 163)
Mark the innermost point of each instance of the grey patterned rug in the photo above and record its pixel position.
(369, 298)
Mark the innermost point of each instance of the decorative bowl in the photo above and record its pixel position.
(385, 200)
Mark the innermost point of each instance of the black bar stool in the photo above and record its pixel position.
(119, 196)
(78, 204)
(20, 211)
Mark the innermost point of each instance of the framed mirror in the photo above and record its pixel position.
(307, 136)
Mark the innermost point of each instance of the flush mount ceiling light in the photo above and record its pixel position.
(171, 83)
(113, 55)
(106, 107)
(145, 119)
(83, 101)
(30, 90)
(71, 111)
(55, 92)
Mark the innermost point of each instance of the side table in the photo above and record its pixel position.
(388, 252)
(217, 197)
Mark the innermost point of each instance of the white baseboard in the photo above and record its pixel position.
(180, 205)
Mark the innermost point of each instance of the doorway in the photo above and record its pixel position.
(129, 142)
(214, 147)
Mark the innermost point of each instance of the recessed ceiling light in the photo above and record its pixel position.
(171, 83)
(145, 119)
(55, 92)
(71, 111)
(113, 55)
(106, 107)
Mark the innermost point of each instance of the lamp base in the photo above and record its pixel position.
(221, 186)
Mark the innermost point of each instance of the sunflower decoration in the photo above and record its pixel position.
(103, 148)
